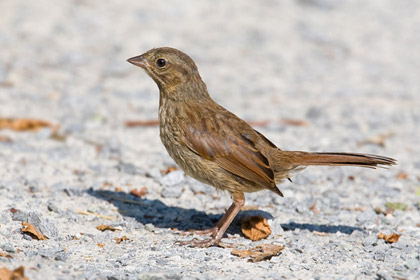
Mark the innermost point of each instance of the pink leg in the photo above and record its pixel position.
(222, 225)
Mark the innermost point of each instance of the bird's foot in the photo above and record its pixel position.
(211, 232)
(196, 243)
(205, 232)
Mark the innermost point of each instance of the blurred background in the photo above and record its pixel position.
(318, 75)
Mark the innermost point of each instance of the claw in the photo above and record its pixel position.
(195, 243)
(206, 232)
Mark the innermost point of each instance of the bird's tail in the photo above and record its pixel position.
(339, 159)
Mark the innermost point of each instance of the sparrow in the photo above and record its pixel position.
(218, 148)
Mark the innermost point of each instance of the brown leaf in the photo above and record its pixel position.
(5, 255)
(30, 229)
(378, 140)
(101, 245)
(139, 193)
(141, 123)
(390, 238)
(259, 123)
(255, 228)
(118, 189)
(259, 253)
(119, 240)
(24, 124)
(402, 175)
(320, 233)
(5, 139)
(17, 274)
(314, 209)
(168, 170)
(294, 122)
(106, 227)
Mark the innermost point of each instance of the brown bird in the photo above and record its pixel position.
(218, 148)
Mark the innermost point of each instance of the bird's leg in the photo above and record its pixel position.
(211, 231)
(220, 228)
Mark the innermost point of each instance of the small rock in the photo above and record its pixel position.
(314, 113)
(125, 259)
(366, 216)
(294, 267)
(127, 168)
(8, 247)
(173, 191)
(379, 256)
(44, 226)
(47, 253)
(276, 228)
(53, 207)
(61, 256)
(412, 264)
(20, 216)
(384, 275)
(27, 237)
(173, 178)
(370, 240)
(149, 227)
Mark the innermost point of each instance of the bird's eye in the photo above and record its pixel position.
(161, 62)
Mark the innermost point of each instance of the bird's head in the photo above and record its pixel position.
(168, 67)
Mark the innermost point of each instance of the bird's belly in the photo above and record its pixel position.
(203, 170)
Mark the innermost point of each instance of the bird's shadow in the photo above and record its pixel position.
(155, 212)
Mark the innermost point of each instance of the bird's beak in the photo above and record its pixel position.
(139, 61)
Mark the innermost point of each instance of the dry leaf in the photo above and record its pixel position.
(141, 123)
(139, 193)
(294, 122)
(255, 228)
(320, 233)
(5, 255)
(259, 253)
(28, 228)
(24, 124)
(118, 189)
(5, 139)
(314, 209)
(17, 274)
(119, 240)
(390, 238)
(168, 170)
(402, 175)
(106, 227)
(378, 140)
(101, 245)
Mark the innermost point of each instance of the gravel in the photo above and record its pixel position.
(348, 69)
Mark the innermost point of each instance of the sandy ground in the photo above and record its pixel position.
(348, 69)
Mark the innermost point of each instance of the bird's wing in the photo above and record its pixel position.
(229, 143)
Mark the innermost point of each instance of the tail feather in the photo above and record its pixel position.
(342, 159)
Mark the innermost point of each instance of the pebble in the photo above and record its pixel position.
(172, 178)
(173, 191)
(8, 247)
(366, 216)
(127, 168)
(149, 227)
